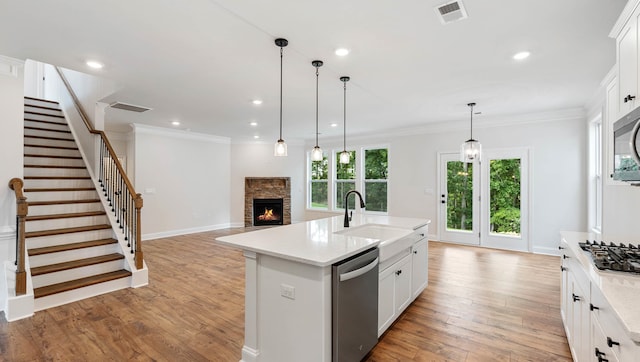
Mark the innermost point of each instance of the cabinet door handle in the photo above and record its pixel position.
(415, 252)
(575, 297)
(562, 268)
(565, 256)
(593, 307)
(560, 247)
(398, 272)
(611, 342)
(598, 353)
(629, 98)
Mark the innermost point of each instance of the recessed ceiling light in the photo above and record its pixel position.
(334, 125)
(253, 124)
(521, 55)
(341, 52)
(95, 65)
(257, 102)
(175, 123)
(256, 136)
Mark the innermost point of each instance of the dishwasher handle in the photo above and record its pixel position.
(358, 272)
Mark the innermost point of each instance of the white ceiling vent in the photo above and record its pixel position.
(129, 107)
(451, 11)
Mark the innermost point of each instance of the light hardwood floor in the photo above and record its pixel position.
(480, 305)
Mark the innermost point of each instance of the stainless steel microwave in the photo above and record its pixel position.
(626, 142)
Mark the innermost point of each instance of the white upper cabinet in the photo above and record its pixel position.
(625, 32)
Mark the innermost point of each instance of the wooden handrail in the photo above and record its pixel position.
(22, 208)
(110, 192)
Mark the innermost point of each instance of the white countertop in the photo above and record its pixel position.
(622, 290)
(315, 242)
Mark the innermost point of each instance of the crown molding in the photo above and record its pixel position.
(176, 133)
(623, 18)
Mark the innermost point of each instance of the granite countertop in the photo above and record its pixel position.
(315, 242)
(621, 290)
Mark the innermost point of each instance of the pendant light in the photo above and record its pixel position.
(471, 149)
(345, 157)
(316, 153)
(281, 147)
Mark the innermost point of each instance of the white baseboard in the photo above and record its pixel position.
(170, 233)
(546, 250)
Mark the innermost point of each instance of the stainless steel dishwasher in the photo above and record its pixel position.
(355, 306)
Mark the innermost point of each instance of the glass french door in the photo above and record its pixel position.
(459, 206)
(485, 203)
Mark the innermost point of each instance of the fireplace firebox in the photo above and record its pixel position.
(267, 212)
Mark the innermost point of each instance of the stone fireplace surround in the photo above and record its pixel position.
(267, 188)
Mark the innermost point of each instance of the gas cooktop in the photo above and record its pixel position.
(625, 258)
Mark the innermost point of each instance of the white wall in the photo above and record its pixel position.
(558, 164)
(257, 160)
(184, 180)
(11, 139)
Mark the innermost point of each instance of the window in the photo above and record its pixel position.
(345, 180)
(329, 180)
(595, 174)
(319, 184)
(375, 179)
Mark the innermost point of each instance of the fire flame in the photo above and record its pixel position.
(268, 215)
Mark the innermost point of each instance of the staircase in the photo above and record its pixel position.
(72, 252)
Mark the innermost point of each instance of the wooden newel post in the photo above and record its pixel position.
(138, 256)
(22, 208)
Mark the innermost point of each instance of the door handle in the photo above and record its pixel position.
(358, 272)
(443, 201)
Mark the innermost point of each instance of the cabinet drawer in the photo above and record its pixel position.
(613, 334)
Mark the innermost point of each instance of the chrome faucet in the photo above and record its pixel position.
(346, 198)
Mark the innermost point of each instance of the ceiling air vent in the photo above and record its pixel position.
(451, 11)
(129, 107)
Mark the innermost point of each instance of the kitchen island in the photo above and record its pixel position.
(288, 314)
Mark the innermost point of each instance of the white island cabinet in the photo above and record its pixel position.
(288, 280)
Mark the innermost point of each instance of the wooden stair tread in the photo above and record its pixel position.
(52, 268)
(47, 146)
(46, 129)
(71, 246)
(42, 107)
(60, 189)
(44, 114)
(46, 121)
(64, 216)
(41, 100)
(35, 234)
(53, 156)
(50, 138)
(57, 178)
(53, 166)
(79, 283)
(62, 202)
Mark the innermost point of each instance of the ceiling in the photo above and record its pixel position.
(202, 62)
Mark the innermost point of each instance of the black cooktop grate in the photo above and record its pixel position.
(618, 257)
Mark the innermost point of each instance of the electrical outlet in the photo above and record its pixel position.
(288, 291)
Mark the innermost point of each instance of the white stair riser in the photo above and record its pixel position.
(29, 123)
(50, 143)
(47, 133)
(50, 151)
(55, 300)
(64, 208)
(42, 241)
(41, 117)
(34, 171)
(53, 161)
(65, 256)
(37, 102)
(48, 183)
(30, 108)
(60, 195)
(52, 224)
(76, 273)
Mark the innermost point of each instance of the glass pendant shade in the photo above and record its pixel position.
(316, 154)
(280, 148)
(470, 151)
(345, 157)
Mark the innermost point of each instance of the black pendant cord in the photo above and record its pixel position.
(280, 94)
(344, 117)
(317, 74)
(471, 105)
